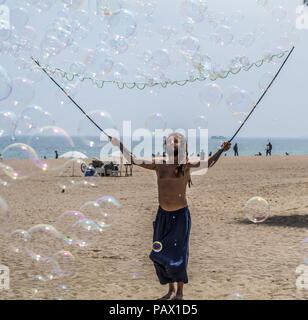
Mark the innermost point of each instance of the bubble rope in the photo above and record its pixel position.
(142, 85)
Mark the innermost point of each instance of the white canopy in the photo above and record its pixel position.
(74, 154)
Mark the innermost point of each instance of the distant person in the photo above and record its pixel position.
(57, 155)
(287, 154)
(268, 149)
(45, 157)
(1, 158)
(202, 155)
(235, 149)
(258, 154)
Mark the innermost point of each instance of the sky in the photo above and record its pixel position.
(282, 113)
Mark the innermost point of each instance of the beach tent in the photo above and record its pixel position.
(74, 154)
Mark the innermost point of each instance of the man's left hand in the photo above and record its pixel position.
(226, 146)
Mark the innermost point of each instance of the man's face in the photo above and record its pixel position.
(172, 146)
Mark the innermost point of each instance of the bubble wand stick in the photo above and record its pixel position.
(122, 148)
(253, 109)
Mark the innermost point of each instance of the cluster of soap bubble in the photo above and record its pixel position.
(32, 136)
(50, 247)
(123, 25)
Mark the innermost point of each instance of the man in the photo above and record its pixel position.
(235, 149)
(268, 149)
(172, 224)
(56, 154)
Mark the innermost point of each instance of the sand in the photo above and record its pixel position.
(228, 254)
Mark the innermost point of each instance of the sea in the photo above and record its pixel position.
(46, 146)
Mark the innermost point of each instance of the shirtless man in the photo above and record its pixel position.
(172, 225)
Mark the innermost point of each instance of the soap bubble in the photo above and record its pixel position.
(32, 118)
(5, 84)
(211, 95)
(279, 13)
(135, 267)
(92, 211)
(66, 263)
(110, 210)
(70, 175)
(22, 91)
(224, 35)
(44, 241)
(160, 59)
(23, 161)
(86, 232)
(188, 27)
(122, 24)
(70, 89)
(50, 269)
(235, 296)
(37, 286)
(257, 209)
(99, 62)
(119, 71)
(240, 101)
(7, 123)
(18, 17)
(5, 35)
(89, 133)
(105, 7)
(244, 61)
(4, 180)
(62, 292)
(157, 246)
(118, 45)
(40, 141)
(247, 40)
(189, 46)
(4, 215)
(18, 240)
(193, 10)
(73, 4)
(66, 221)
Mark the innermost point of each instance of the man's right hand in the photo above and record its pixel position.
(115, 141)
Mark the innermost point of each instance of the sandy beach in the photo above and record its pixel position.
(228, 254)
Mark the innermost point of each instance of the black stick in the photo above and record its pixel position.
(264, 93)
(253, 109)
(75, 103)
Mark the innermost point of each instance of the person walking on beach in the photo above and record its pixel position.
(172, 224)
(235, 149)
(57, 155)
(268, 149)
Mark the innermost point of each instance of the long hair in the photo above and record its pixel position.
(181, 167)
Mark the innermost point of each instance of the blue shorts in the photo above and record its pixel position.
(171, 229)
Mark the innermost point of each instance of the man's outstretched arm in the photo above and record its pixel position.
(130, 157)
(211, 160)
